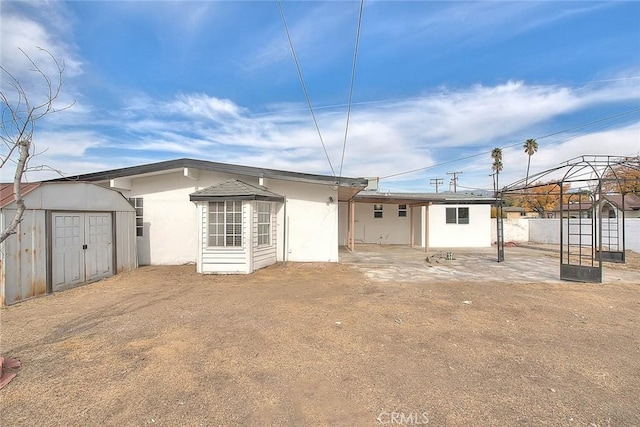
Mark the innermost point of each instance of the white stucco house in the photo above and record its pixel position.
(236, 219)
(229, 218)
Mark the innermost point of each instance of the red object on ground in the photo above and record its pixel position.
(8, 366)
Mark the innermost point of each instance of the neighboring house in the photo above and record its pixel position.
(573, 210)
(71, 233)
(514, 212)
(230, 218)
(518, 212)
(613, 204)
(418, 219)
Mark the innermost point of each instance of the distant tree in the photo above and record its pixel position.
(530, 147)
(623, 177)
(543, 198)
(20, 112)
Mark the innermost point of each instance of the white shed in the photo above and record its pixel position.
(71, 233)
(236, 227)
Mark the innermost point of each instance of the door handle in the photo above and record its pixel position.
(84, 247)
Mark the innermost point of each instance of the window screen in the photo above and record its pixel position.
(451, 216)
(377, 211)
(136, 202)
(225, 223)
(457, 216)
(463, 215)
(264, 223)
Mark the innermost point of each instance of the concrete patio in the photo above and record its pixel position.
(521, 265)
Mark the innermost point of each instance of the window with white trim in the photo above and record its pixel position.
(136, 203)
(225, 224)
(402, 210)
(377, 211)
(264, 223)
(457, 216)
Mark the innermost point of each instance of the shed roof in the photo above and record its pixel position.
(6, 191)
(234, 189)
(68, 196)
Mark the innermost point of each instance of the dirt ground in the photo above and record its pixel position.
(320, 344)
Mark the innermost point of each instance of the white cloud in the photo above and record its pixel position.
(19, 31)
(317, 35)
(384, 137)
(457, 24)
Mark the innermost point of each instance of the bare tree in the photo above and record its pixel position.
(20, 113)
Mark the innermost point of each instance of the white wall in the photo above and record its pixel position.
(391, 229)
(540, 230)
(515, 229)
(419, 224)
(311, 223)
(632, 234)
(543, 231)
(475, 234)
(170, 227)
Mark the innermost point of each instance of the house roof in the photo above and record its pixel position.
(218, 167)
(585, 206)
(631, 201)
(6, 192)
(513, 209)
(422, 198)
(234, 189)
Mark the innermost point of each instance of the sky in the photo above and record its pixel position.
(437, 85)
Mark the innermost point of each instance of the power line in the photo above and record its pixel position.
(471, 156)
(304, 86)
(353, 78)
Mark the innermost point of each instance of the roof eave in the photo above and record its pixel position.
(247, 197)
(219, 167)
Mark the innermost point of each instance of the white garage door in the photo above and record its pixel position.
(82, 248)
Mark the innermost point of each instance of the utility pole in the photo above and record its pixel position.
(436, 182)
(454, 180)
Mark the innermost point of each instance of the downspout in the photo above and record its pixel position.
(284, 233)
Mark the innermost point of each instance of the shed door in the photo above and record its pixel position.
(82, 248)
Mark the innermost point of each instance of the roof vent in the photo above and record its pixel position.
(372, 184)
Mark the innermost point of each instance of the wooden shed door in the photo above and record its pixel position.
(81, 248)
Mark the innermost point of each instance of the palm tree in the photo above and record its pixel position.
(530, 147)
(496, 155)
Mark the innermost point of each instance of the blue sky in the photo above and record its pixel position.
(438, 84)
